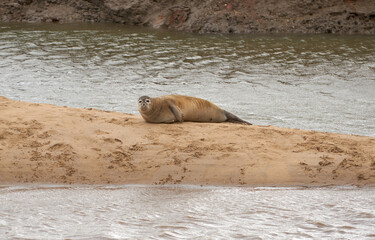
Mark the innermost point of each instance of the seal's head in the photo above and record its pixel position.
(144, 103)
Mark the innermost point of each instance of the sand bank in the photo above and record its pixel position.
(42, 143)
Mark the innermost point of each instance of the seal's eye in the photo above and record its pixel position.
(140, 101)
(148, 101)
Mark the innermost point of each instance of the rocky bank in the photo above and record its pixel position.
(210, 16)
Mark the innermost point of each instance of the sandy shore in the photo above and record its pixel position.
(41, 143)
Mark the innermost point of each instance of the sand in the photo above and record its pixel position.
(42, 143)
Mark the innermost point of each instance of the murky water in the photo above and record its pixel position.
(186, 212)
(318, 82)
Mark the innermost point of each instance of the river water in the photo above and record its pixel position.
(317, 82)
(186, 212)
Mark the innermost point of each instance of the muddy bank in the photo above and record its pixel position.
(41, 143)
(236, 16)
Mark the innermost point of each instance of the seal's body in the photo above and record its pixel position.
(178, 108)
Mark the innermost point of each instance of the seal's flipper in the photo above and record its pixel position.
(176, 112)
(234, 119)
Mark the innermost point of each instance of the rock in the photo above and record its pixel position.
(230, 16)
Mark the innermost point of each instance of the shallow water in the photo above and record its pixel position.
(318, 82)
(186, 212)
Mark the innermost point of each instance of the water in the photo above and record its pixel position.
(317, 82)
(185, 212)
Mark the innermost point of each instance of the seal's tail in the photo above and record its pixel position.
(234, 119)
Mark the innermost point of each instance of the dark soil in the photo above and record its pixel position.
(210, 16)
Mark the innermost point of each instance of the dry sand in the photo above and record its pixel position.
(41, 143)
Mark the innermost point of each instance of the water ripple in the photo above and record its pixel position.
(319, 82)
(185, 212)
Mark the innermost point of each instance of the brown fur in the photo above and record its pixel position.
(178, 108)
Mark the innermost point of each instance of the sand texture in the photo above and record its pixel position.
(42, 143)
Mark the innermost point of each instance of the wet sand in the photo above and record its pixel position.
(42, 143)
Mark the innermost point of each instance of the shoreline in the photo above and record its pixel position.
(47, 144)
(31, 186)
(231, 16)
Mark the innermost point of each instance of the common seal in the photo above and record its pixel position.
(178, 108)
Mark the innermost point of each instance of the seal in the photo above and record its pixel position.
(178, 108)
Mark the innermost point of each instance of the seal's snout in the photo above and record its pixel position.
(143, 105)
(144, 102)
